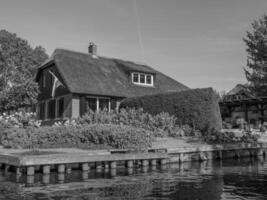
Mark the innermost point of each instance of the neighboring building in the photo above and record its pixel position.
(240, 102)
(71, 83)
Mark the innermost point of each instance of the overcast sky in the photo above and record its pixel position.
(197, 42)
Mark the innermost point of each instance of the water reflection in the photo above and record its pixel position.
(230, 179)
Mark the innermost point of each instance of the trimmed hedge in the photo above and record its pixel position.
(117, 136)
(197, 108)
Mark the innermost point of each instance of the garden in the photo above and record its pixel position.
(192, 113)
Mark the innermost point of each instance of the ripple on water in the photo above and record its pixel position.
(228, 180)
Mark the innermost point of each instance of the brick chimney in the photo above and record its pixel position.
(92, 49)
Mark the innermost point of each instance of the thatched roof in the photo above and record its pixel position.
(241, 89)
(85, 74)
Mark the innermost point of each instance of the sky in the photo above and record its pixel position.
(196, 42)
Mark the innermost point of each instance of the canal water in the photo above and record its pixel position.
(244, 179)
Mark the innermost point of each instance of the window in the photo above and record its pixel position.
(51, 109)
(91, 102)
(98, 103)
(148, 79)
(42, 111)
(143, 79)
(113, 104)
(135, 78)
(103, 104)
(60, 107)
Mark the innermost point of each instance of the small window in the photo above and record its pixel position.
(142, 78)
(60, 108)
(148, 80)
(135, 78)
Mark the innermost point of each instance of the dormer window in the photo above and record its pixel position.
(142, 79)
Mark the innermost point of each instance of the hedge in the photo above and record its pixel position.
(197, 108)
(116, 136)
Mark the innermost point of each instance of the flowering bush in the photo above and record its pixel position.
(162, 124)
(19, 119)
(229, 136)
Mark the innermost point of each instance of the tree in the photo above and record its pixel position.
(18, 65)
(256, 69)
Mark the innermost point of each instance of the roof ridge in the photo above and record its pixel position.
(104, 57)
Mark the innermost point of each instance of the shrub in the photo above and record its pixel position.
(162, 124)
(197, 108)
(117, 136)
(220, 137)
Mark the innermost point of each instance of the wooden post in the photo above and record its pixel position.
(46, 179)
(61, 168)
(113, 165)
(61, 177)
(129, 164)
(113, 172)
(85, 175)
(153, 162)
(85, 167)
(30, 171)
(145, 163)
(163, 161)
(30, 181)
(46, 169)
(129, 170)
(99, 166)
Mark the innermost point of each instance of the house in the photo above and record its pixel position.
(240, 102)
(71, 83)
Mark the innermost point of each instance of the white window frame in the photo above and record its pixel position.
(143, 84)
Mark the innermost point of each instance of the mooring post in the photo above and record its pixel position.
(30, 170)
(145, 163)
(46, 169)
(129, 164)
(106, 166)
(68, 168)
(30, 180)
(61, 168)
(163, 161)
(153, 162)
(99, 166)
(84, 176)
(113, 172)
(130, 170)
(85, 167)
(113, 165)
(181, 157)
(61, 177)
(46, 179)
(144, 168)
